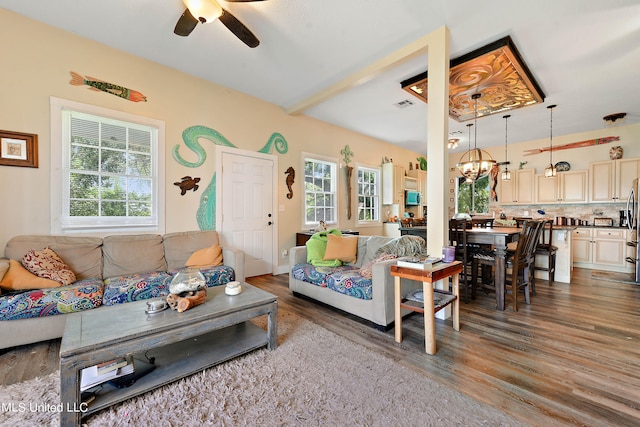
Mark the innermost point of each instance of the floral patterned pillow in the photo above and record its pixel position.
(46, 263)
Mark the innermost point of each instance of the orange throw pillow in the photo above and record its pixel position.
(19, 278)
(343, 248)
(206, 257)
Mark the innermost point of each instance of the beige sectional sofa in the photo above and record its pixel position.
(111, 270)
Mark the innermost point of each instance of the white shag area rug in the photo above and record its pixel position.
(313, 378)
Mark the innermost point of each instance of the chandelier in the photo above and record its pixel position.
(479, 162)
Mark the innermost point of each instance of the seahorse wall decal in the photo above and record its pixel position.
(206, 215)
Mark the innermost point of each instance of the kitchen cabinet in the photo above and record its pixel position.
(421, 182)
(611, 180)
(519, 190)
(392, 184)
(565, 187)
(601, 248)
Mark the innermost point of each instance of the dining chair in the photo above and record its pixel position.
(546, 249)
(458, 238)
(521, 219)
(482, 222)
(520, 264)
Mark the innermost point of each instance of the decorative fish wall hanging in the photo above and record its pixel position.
(587, 143)
(99, 85)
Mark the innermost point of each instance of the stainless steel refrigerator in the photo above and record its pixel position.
(633, 222)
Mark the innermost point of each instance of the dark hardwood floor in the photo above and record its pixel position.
(572, 357)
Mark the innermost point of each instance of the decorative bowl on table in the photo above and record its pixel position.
(187, 280)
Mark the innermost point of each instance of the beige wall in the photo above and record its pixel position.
(36, 66)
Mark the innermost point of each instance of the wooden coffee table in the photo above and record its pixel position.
(181, 343)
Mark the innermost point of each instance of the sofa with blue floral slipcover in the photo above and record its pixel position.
(352, 273)
(107, 271)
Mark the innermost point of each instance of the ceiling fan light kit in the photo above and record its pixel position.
(205, 11)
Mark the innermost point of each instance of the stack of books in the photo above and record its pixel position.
(106, 371)
(417, 263)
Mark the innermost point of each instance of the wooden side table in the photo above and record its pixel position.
(427, 277)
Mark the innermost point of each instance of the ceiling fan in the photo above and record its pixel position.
(206, 11)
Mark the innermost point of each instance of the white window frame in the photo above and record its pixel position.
(61, 221)
(376, 197)
(334, 188)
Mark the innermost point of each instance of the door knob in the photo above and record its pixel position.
(269, 223)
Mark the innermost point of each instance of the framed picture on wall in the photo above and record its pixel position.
(18, 149)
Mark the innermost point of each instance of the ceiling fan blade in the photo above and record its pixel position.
(239, 29)
(185, 24)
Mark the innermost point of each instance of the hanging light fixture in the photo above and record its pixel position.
(467, 174)
(550, 170)
(506, 173)
(453, 143)
(479, 162)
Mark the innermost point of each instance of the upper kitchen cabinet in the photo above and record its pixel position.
(392, 184)
(421, 178)
(566, 187)
(519, 190)
(611, 180)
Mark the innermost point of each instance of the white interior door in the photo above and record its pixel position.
(248, 217)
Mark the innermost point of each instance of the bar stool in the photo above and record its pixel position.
(546, 249)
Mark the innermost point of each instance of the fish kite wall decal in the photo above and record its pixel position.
(99, 85)
(587, 143)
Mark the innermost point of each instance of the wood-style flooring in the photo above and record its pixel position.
(572, 357)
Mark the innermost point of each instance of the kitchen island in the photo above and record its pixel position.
(562, 238)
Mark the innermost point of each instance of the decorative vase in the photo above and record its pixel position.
(187, 280)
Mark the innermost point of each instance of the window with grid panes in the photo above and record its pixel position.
(108, 172)
(320, 183)
(368, 195)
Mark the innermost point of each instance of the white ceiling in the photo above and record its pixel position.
(585, 55)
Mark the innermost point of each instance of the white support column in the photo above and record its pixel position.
(437, 155)
(438, 131)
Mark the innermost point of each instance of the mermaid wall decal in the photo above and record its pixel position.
(206, 214)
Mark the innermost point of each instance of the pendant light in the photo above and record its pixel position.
(506, 173)
(468, 178)
(479, 162)
(550, 170)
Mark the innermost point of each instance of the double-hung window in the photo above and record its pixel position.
(320, 184)
(368, 195)
(106, 165)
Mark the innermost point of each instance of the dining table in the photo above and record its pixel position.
(499, 238)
